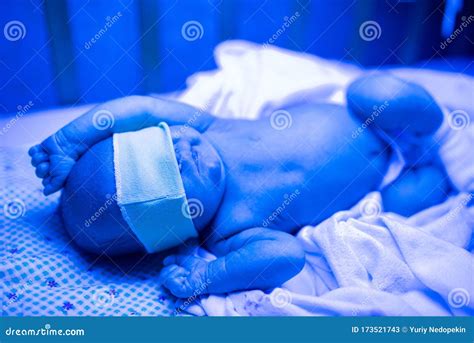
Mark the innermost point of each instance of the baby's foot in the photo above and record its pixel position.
(185, 275)
(53, 160)
(404, 110)
(394, 105)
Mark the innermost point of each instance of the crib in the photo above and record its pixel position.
(71, 52)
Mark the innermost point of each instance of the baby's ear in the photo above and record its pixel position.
(393, 104)
(89, 207)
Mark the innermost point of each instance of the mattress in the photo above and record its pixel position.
(42, 272)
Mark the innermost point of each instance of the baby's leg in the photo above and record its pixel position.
(254, 258)
(409, 115)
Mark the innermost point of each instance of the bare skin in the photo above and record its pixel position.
(246, 171)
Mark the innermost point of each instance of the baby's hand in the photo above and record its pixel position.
(53, 160)
(185, 275)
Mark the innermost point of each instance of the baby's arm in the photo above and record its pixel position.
(55, 156)
(255, 258)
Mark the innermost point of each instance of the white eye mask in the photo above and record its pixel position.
(150, 191)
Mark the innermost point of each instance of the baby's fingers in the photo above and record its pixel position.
(171, 271)
(175, 279)
(180, 259)
(171, 259)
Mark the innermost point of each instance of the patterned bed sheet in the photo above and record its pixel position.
(42, 272)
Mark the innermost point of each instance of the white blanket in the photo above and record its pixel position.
(376, 264)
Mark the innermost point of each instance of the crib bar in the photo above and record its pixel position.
(61, 51)
(188, 31)
(107, 48)
(26, 64)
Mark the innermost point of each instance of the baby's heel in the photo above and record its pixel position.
(394, 105)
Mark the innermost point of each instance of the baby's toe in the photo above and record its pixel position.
(38, 158)
(60, 167)
(48, 189)
(35, 149)
(53, 185)
(46, 181)
(42, 169)
(58, 144)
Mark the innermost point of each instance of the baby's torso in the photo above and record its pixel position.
(293, 169)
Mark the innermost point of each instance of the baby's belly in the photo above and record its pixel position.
(318, 168)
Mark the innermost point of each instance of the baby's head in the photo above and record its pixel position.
(103, 215)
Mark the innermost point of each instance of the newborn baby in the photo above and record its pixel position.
(127, 190)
